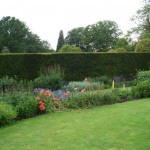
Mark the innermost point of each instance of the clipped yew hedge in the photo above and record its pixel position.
(76, 66)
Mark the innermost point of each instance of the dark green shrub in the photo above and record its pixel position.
(76, 66)
(7, 114)
(27, 108)
(51, 78)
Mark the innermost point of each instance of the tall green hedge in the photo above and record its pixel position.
(76, 66)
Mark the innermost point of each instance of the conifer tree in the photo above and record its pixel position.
(61, 41)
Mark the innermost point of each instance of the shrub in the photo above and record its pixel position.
(15, 98)
(90, 98)
(10, 84)
(76, 65)
(7, 114)
(69, 48)
(143, 88)
(143, 75)
(46, 100)
(120, 50)
(27, 108)
(143, 46)
(7, 84)
(123, 94)
(50, 78)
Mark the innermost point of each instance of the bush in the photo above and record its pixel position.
(10, 84)
(120, 50)
(91, 98)
(7, 114)
(143, 88)
(50, 78)
(27, 108)
(143, 46)
(70, 48)
(124, 94)
(143, 75)
(15, 98)
(7, 84)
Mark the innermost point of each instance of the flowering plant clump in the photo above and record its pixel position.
(48, 100)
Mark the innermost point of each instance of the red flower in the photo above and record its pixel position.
(41, 107)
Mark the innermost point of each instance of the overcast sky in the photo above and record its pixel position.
(47, 17)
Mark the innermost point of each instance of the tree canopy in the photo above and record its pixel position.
(142, 20)
(17, 37)
(97, 37)
(143, 46)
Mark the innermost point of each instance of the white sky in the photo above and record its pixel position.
(47, 17)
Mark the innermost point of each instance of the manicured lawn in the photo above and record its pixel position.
(124, 126)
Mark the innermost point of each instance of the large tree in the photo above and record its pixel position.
(75, 37)
(101, 36)
(17, 37)
(142, 21)
(13, 34)
(61, 41)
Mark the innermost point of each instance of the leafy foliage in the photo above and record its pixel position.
(143, 75)
(50, 78)
(7, 114)
(69, 48)
(142, 20)
(143, 46)
(17, 38)
(101, 36)
(75, 37)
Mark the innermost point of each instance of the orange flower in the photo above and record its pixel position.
(41, 107)
(56, 99)
(41, 92)
(83, 91)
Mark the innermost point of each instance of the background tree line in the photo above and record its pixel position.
(106, 36)
(103, 36)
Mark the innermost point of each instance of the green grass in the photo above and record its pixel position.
(124, 126)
